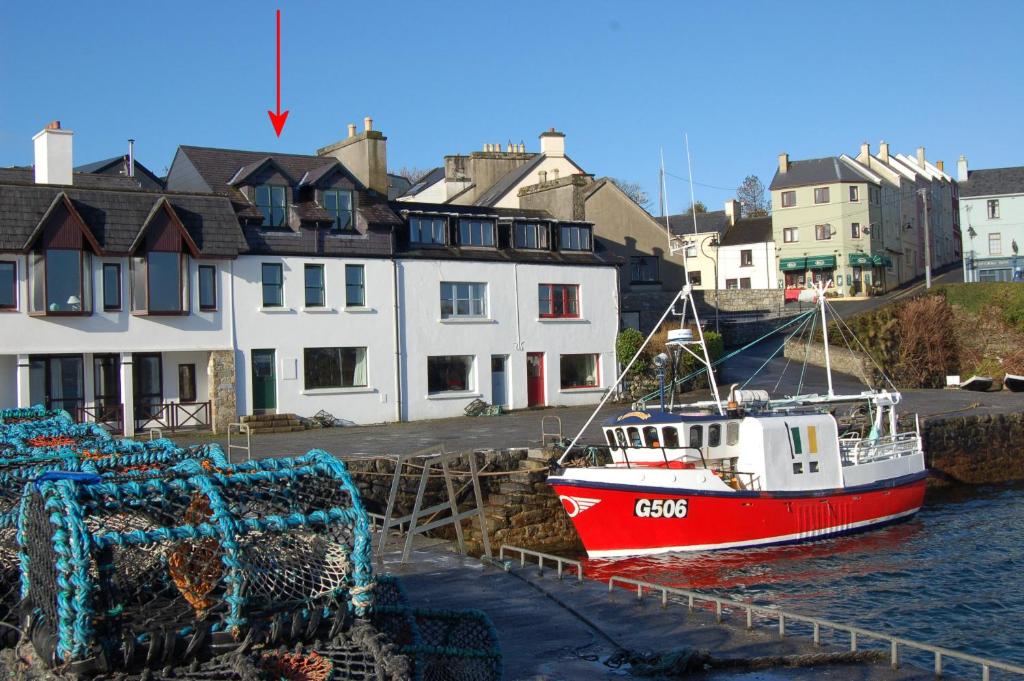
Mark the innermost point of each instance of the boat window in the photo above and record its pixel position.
(696, 436)
(814, 466)
(634, 437)
(670, 437)
(732, 432)
(798, 468)
(714, 435)
(651, 436)
(610, 437)
(620, 436)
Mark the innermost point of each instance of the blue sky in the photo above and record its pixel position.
(745, 80)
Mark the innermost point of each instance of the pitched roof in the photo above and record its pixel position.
(434, 176)
(993, 182)
(507, 181)
(474, 210)
(748, 231)
(816, 171)
(84, 180)
(397, 185)
(117, 165)
(714, 221)
(116, 217)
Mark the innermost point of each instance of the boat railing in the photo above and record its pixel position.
(856, 450)
(678, 453)
(896, 644)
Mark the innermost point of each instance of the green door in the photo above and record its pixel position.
(264, 390)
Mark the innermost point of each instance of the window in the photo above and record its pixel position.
(788, 199)
(610, 437)
(57, 381)
(620, 436)
(559, 300)
(744, 282)
(338, 202)
(574, 238)
(821, 195)
(643, 269)
(148, 381)
(579, 371)
(813, 466)
(164, 281)
(8, 285)
(791, 235)
(995, 244)
(696, 436)
(798, 468)
(714, 435)
(355, 286)
(671, 437)
(993, 209)
(855, 230)
(314, 286)
(822, 232)
(463, 299)
(111, 286)
(691, 251)
(270, 200)
(426, 230)
(732, 283)
(476, 233)
(207, 287)
(64, 269)
(273, 285)
(651, 436)
(186, 382)
(732, 433)
(747, 258)
(531, 235)
(634, 437)
(107, 386)
(334, 368)
(693, 278)
(449, 373)
(854, 193)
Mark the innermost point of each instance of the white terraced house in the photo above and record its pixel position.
(259, 282)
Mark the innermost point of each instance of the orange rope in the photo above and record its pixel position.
(297, 667)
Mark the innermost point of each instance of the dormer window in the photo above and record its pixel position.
(426, 230)
(59, 284)
(574, 238)
(532, 235)
(158, 283)
(476, 232)
(338, 202)
(271, 200)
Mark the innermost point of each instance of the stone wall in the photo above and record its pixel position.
(843, 360)
(221, 378)
(651, 304)
(975, 449)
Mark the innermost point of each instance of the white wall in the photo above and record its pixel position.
(8, 381)
(550, 164)
(289, 330)
(762, 273)
(512, 327)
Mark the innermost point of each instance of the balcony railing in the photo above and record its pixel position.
(110, 416)
(173, 415)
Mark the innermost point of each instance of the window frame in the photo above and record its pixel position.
(318, 288)
(191, 370)
(270, 188)
(182, 262)
(469, 379)
(594, 357)
(455, 298)
(825, 195)
(552, 293)
(441, 223)
(279, 267)
(83, 290)
(212, 269)
(641, 263)
(694, 278)
(118, 304)
(14, 286)
(307, 362)
(577, 233)
(992, 209)
(825, 229)
(998, 241)
(337, 211)
(788, 232)
(747, 257)
(541, 232)
(854, 194)
(361, 285)
(788, 198)
(468, 228)
(855, 231)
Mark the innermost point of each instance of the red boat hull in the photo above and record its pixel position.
(614, 520)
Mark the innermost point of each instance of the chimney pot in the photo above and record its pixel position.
(940, 165)
(368, 123)
(53, 125)
(351, 129)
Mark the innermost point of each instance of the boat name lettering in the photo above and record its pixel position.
(660, 508)
(642, 415)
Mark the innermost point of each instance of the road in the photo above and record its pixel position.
(851, 308)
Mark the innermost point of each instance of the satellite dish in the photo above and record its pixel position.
(661, 360)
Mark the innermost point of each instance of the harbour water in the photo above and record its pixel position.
(952, 576)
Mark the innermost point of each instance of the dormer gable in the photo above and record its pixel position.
(163, 231)
(62, 226)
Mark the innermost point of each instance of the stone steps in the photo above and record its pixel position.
(273, 423)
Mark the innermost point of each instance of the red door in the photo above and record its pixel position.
(535, 379)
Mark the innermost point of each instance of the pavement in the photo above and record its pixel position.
(850, 308)
(551, 629)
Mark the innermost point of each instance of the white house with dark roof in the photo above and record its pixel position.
(992, 209)
(746, 255)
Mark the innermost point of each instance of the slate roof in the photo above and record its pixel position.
(481, 211)
(816, 171)
(116, 217)
(507, 181)
(116, 165)
(714, 221)
(748, 231)
(434, 176)
(84, 180)
(993, 182)
(397, 185)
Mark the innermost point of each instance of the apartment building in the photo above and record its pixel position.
(992, 208)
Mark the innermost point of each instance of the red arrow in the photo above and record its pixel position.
(278, 119)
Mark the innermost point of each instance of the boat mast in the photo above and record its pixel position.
(824, 332)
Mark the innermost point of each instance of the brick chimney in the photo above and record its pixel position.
(365, 155)
(961, 169)
(53, 155)
(552, 143)
(783, 163)
(733, 210)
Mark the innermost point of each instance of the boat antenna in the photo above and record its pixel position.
(824, 331)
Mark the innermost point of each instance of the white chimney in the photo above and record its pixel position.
(961, 169)
(53, 155)
(883, 151)
(552, 143)
(920, 157)
(865, 152)
(351, 129)
(783, 163)
(733, 211)
(367, 124)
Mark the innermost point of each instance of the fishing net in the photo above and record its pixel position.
(193, 559)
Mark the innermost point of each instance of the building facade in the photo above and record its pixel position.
(992, 209)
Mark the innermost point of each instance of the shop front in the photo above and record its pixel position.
(822, 268)
(860, 273)
(794, 271)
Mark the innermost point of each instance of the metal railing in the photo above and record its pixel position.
(558, 560)
(856, 450)
(895, 643)
(553, 435)
(240, 429)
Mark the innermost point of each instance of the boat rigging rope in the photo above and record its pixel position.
(863, 349)
(789, 360)
(807, 350)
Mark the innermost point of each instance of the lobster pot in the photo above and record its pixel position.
(51, 437)
(191, 560)
(31, 415)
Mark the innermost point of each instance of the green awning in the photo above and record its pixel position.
(793, 264)
(821, 262)
(860, 259)
(878, 260)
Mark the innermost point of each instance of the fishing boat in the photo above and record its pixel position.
(977, 383)
(1014, 383)
(743, 471)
